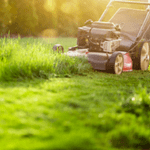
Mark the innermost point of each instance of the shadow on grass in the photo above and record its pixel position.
(23, 83)
(126, 78)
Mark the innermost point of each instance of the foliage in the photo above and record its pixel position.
(5, 17)
(32, 17)
(23, 17)
(46, 20)
(36, 61)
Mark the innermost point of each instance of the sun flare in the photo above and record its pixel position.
(50, 5)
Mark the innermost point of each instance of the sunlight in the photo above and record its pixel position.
(69, 7)
(50, 5)
(66, 7)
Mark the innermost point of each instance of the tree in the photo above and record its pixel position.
(45, 17)
(1, 15)
(90, 10)
(4, 16)
(67, 17)
(23, 17)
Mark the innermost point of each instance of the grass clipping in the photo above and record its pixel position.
(36, 60)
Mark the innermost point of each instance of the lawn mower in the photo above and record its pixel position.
(119, 45)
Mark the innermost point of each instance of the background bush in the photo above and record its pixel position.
(62, 17)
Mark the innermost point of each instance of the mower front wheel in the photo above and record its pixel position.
(58, 48)
(115, 63)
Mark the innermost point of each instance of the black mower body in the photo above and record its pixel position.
(130, 21)
(123, 33)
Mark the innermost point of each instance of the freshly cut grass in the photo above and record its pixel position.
(128, 125)
(36, 60)
(82, 112)
(97, 111)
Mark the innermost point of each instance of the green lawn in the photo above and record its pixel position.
(80, 110)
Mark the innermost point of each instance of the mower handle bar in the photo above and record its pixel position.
(130, 2)
(125, 2)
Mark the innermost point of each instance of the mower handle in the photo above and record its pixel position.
(131, 2)
(125, 2)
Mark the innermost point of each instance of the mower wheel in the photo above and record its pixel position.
(142, 57)
(58, 48)
(115, 63)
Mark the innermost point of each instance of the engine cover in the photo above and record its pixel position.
(103, 37)
(99, 37)
(104, 34)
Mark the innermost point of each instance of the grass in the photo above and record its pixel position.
(79, 111)
(22, 59)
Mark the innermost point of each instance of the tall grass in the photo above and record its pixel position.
(21, 59)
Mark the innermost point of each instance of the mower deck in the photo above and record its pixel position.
(99, 61)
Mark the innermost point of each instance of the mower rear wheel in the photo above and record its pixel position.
(142, 57)
(116, 63)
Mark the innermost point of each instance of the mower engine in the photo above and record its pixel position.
(99, 37)
(99, 42)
